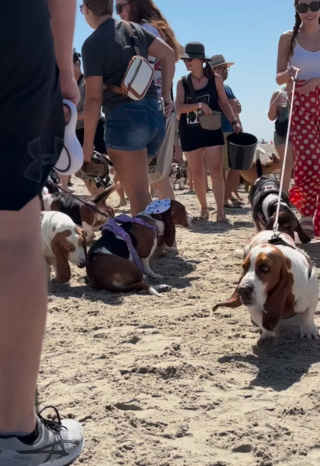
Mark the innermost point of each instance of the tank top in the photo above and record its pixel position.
(307, 62)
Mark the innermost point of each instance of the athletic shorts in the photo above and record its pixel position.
(31, 114)
(135, 126)
(99, 144)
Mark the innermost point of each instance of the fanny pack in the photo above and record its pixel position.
(139, 73)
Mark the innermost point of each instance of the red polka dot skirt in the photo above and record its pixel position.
(305, 135)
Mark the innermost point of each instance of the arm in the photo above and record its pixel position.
(63, 14)
(273, 110)
(80, 116)
(225, 105)
(163, 52)
(284, 75)
(92, 109)
(236, 106)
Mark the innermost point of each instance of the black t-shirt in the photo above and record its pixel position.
(107, 53)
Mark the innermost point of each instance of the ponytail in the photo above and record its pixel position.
(208, 72)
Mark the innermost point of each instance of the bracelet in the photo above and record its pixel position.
(234, 122)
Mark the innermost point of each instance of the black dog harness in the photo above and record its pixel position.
(260, 190)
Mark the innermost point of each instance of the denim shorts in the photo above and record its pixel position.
(135, 126)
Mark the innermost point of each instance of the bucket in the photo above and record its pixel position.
(241, 150)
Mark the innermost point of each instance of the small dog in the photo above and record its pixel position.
(270, 166)
(178, 176)
(62, 241)
(263, 197)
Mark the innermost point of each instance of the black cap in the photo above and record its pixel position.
(194, 50)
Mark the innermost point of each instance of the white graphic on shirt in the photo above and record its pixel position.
(192, 117)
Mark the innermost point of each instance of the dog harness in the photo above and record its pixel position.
(113, 226)
(261, 189)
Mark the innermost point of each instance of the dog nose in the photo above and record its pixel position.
(245, 291)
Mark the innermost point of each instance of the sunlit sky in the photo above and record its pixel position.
(245, 32)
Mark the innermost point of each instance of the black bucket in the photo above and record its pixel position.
(241, 150)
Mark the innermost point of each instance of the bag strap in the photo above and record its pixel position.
(133, 37)
(191, 88)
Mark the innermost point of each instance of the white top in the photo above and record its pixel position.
(307, 62)
(155, 63)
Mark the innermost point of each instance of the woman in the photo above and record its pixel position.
(211, 95)
(148, 15)
(279, 112)
(299, 54)
(134, 130)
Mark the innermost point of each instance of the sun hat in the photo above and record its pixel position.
(194, 50)
(218, 60)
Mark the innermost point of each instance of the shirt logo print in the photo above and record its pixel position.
(34, 170)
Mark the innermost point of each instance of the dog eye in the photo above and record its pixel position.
(264, 268)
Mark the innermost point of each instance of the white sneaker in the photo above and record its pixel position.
(58, 444)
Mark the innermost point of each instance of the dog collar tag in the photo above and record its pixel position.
(158, 207)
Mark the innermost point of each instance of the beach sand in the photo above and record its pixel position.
(166, 382)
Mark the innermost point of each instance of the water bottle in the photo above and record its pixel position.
(284, 97)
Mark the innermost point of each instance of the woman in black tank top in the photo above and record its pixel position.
(210, 93)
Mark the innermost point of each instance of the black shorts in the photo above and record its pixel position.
(31, 115)
(99, 144)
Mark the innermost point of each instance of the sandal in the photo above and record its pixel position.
(204, 215)
(307, 225)
(221, 218)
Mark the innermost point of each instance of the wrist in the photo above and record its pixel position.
(234, 122)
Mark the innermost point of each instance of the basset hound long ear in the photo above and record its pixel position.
(280, 299)
(304, 238)
(234, 301)
(169, 233)
(63, 272)
(80, 232)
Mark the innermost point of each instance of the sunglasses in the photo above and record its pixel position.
(304, 7)
(120, 7)
(189, 60)
(222, 68)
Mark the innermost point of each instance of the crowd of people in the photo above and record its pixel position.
(138, 135)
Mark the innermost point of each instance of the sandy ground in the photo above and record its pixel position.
(166, 382)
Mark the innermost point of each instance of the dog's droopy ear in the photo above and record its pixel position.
(63, 272)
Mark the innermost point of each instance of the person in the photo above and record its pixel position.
(211, 96)
(299, 56)
(232, 178)
(134, 130)
(148, 15)
(279, 112)
(30, 146)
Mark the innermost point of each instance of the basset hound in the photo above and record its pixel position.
(277, 281)
(80, 213)
(62, 242)
(110, 261)
(263, 197)
(178, 176)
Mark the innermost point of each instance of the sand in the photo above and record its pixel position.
(166, 382)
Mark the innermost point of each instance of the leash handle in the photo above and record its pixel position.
(276, 223)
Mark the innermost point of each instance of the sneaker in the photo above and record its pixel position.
(58, 444)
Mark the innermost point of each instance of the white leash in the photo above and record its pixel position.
(276, 223)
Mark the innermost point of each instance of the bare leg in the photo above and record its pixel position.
(178, 154)
(207, 170)
(120, 191)
(214, 159)
(132, 170)
(164, 189)
(289, 164)
(22, 315)
(190, 174)
(196, 163)
(231, 184)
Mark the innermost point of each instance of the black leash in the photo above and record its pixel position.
(90, 206)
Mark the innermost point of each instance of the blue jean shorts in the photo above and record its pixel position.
(136, 126)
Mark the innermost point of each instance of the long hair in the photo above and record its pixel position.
(208, 71)
(147, 11)
(296, 29)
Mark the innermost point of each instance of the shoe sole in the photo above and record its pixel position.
(67, 459)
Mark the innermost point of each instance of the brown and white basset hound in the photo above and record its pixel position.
(111, 264)
(62, 242)
(277, 281)
(80, 213)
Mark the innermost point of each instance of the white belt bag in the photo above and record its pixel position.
(138, 76)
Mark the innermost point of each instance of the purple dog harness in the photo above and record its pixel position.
(113, 226)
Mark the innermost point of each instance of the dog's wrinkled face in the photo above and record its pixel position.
(180, 216)
(175, 168)
(263, 270)
(74, 247)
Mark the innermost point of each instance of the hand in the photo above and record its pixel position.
(309, 86)
(168, 107)
(293, 71)
(205, 109)
(237, 128)
(69, 87)
(87, 152)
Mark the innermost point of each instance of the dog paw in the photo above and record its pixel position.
(309, 333)
(266, 338)
(163, 288)
(157, 276)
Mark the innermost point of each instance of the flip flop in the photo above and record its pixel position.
(233, 206)
(71, 158)
(221, 218)
(204, 215)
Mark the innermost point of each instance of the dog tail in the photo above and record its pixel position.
(259, 165)
(140, 286)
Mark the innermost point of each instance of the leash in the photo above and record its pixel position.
(276, 223)
(90, 206)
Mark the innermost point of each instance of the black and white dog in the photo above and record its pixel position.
(178, 176)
